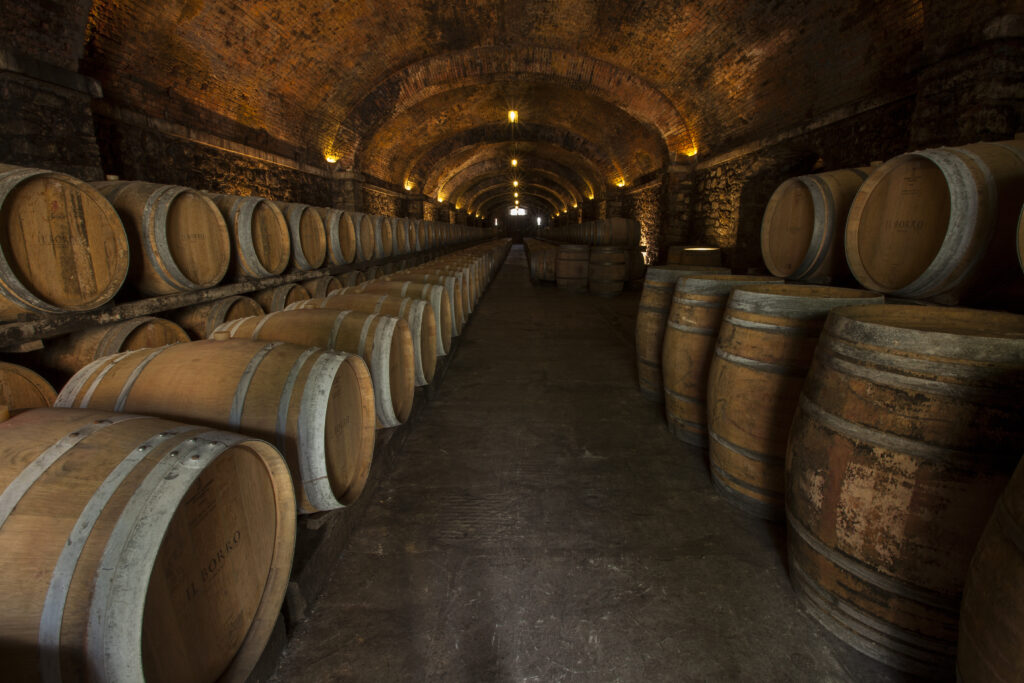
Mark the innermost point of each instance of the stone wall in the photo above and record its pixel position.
(646, 206)
(381, 203)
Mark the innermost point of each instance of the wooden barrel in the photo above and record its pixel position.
(655, 302)
(259, 236)
(802, 231)
(280, 297)
(765, 345)
(1020, 240)
(382, 236)
(373, 273)
(606, 274)
(693, 255)
(126, 541)
(63, 248)
(401, 235)
(457, 294)
(939, 222)
(541, 260)
(316, 406)
(624, 232)
(352, 278)
(689, 345)
(307, 234)
(322, 286)
(202, 319)
(22, 389)
(571, 265)
(991, 643)
(73, 352)
(341, 236)
(435, 295)
(636, 269)
(423, 235)
(177, 237)
(383, 342)
(417, 313)
(907, 429)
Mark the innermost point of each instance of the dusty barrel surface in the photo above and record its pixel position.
(62, 245)
(280, 297)
(606, 273)
(383, 342)
(341, 236)
(201, 320)
(655, 302)
(907, 430)
(178, 238)
(316, 406)
(133, 539)
(73, 352)
(937, 223)
(991, 643)
(765, 346)
(572, 263)
(261, 242)
(417, 313)
(694, 255)
(21, 389)
(435, 295)
(803, 229)
(689, 345)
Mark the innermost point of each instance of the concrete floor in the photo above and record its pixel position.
(541, 524)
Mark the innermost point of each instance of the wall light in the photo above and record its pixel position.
(409, 185)
(331, 158)
(513, 116)
(620, 182)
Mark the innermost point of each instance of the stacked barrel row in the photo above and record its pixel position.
(940, 224)
(121, 515)
(71, 245)
(882, 434)
(606, 258)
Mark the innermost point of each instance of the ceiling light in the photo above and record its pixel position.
(515, 162)
(515, 194)
(515, 183)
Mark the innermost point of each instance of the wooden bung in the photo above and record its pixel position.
(134, 548)
(655, 302)
(416, 312)
(765, 345)
(63, 245)
(689, 345)
(316, 406)
(383, 342)
(907, 430)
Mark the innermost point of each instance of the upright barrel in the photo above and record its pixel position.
(261, 245)
(803, 229)
(764, 350)
(73, 352)
(606, 273)
(316, 406)
(689, 345)
(655, 302)
(383, 342)
(126, 541)
(22, 389)
(572, 262)
(991, 643)
(938, 223)
(178, 238)
(693, 255)
(64, 246)
(200, 320)
(906, 432)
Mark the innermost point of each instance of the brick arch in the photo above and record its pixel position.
(461, 183)
(526, 200)
(580, 73)
(488, 187)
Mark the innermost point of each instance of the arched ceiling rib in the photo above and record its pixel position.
(462, 184)
(482, 194)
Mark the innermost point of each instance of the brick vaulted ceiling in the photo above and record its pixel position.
(416, 92)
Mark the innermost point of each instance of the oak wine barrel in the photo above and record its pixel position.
(907, 430)
(259, 236)
(382, 236)
(316, 406)
(606, 274)
(435, 295)
(126, 541)
(62, 245)
(571, 266)
(383, 342)
(320, 287)
(307, 235)
(688, 347)
(765, 345)
(803, 229)
(22, 389)
(202, 319)
(341, 236)
(655, 302)
(71, 353)
(280, 297)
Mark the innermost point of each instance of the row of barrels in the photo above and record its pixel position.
(620, 232)
(603, 271)
(881, 433)
(152, 511)
(71, 245)
(942, 224)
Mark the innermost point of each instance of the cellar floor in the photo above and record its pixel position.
(542, 524)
